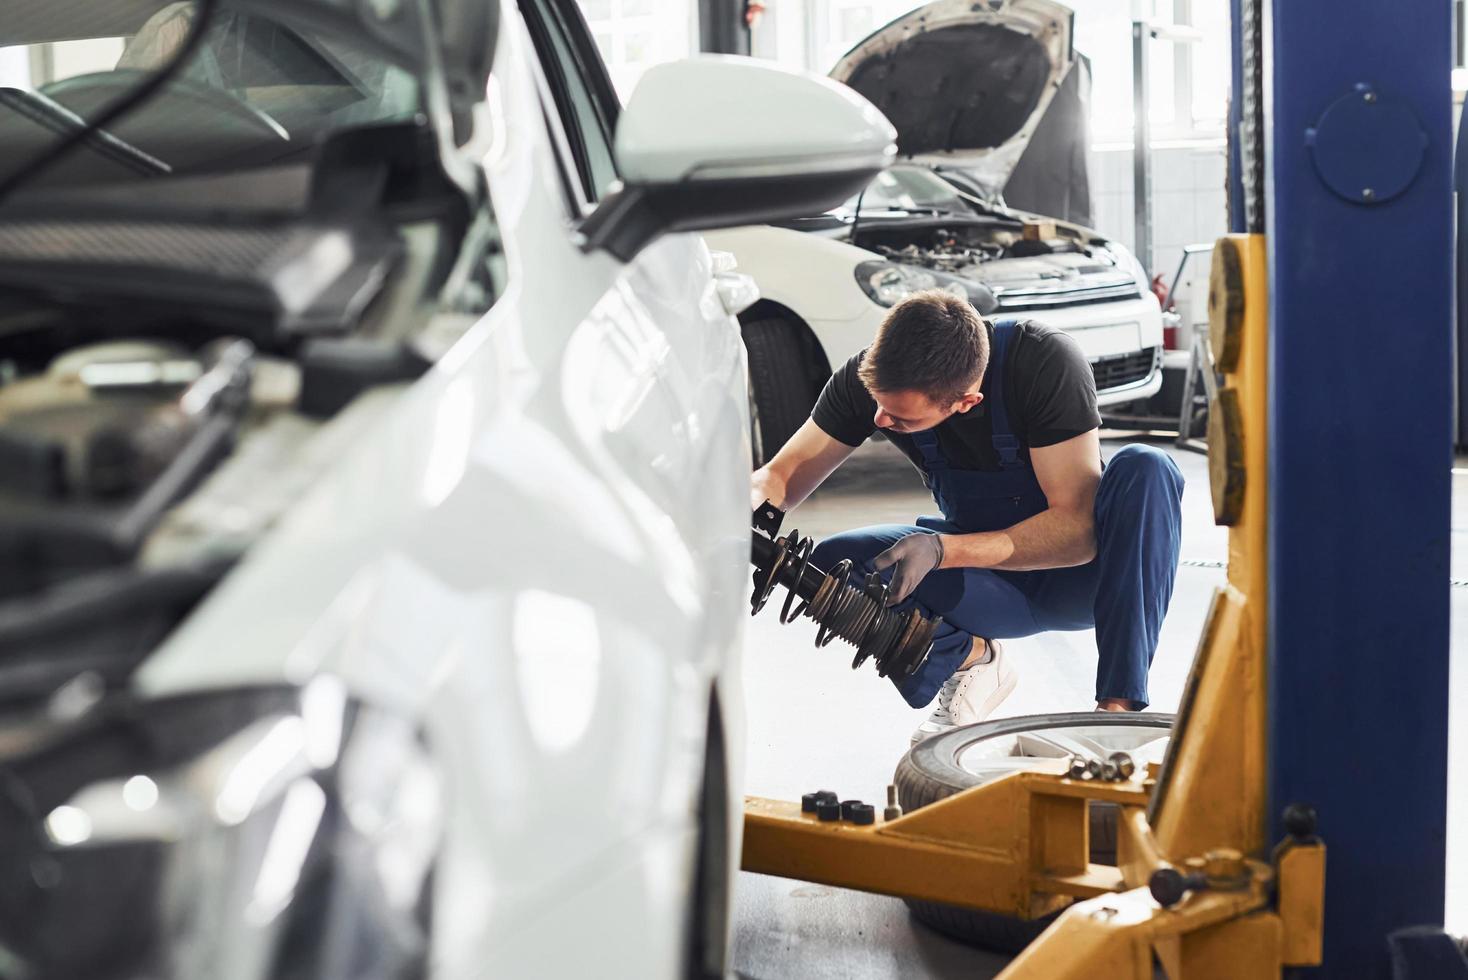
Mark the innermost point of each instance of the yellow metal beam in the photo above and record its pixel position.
(1212, 790)
(1301, 901)
(1016, 845)
(1118, 936)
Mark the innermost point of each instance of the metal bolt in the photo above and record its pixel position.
(1123, 765)
(893, 811)
(1169, 885)
(1094, 768)
(1368, 194)
(1077, 768)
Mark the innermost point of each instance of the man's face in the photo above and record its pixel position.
(913, 411)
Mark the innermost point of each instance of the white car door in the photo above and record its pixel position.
(664, 363)
(640, 391)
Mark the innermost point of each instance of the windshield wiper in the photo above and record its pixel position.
(46, 159)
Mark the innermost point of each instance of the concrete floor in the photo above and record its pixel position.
(814, 724)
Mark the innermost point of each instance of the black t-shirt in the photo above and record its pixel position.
(1049, 391)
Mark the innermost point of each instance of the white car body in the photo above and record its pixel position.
(538, 551)
(812, 278)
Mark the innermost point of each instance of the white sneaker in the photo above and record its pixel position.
(970, 695)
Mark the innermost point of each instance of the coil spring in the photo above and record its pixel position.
(855, 611)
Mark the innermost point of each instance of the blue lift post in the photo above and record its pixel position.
(1358, 217)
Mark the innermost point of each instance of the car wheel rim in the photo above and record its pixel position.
(1051, 749)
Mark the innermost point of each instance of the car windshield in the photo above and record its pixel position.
(906, 189)
(257, 91)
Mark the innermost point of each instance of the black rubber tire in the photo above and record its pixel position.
(779, 374)
(930, 772)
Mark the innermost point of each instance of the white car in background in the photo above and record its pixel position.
(374, 532)
(968, 87)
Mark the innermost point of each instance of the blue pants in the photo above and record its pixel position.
(1124, 592)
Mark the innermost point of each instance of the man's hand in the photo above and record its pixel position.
(797, 469)
(764, 485)
(915, 556)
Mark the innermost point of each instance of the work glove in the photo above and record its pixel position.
(915, 556)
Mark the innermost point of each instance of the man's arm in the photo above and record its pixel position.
(1058, 537)
(800, 466)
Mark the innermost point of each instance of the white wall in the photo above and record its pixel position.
(68, 58)
(634, 35)
(1189, 203)
(15, 67)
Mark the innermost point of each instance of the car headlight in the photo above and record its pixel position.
(203, 834)
(888, 283)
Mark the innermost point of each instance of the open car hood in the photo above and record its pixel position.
(965, 82)
(455, 47)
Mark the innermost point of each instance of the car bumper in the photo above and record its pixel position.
(1136, 391)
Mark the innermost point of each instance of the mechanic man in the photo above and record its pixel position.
(1001, 420)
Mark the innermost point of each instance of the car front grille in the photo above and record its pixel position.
(1124, 370)
(1063, 294)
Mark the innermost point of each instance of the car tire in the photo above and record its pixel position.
(779, 377)
(931, 771)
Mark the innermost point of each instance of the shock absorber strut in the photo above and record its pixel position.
(843, 604)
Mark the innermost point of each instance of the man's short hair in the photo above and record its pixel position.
(932, 342)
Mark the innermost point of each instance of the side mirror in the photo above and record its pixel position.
(720, 141)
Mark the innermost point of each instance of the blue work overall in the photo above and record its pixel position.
(1124, 592)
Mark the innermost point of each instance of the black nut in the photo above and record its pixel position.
(828, 811)
(863, 815)
(848, 807)
(809, 801)
(1300, 821)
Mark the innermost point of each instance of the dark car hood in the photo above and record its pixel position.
(965, 83)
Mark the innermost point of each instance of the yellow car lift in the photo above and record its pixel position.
(1020, 845)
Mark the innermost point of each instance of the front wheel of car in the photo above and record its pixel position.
(780, 378)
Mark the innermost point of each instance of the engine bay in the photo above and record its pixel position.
(173, 378)
(959, 249)
(1026, 264)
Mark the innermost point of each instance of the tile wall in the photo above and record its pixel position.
(1188, 202)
